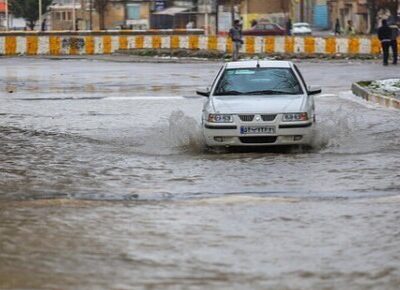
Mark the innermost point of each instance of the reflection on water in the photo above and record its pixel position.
(223, 243)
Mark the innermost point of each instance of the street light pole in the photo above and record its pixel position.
(90, 15)
(7, 25)
(206, 17)
(232, 11)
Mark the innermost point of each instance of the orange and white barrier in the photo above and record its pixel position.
(64, 44)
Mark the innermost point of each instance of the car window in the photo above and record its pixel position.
(258, 81)
(269, 27)
(218, 74)
(301, 76)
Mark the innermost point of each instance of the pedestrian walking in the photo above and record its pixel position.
(235, 33)
(350, 28)
(337, 27)
(393, 41)
(44, 24)
(385, 36)
(289, 27)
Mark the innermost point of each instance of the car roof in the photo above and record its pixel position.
(262, 63)
(301, 23)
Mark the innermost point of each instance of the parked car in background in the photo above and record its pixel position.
(259, 103)
(301, 28)
(265, 28)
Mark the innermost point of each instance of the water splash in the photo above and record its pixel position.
(185, 133)
(334, 129)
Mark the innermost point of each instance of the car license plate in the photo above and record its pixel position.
(257, 130)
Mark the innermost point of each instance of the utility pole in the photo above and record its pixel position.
(73, 16)
(7, 21)
(40, 15)
(90, 15)
(232, 11)
(301, 10)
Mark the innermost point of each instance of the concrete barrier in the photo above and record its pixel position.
(89, 43)
(367, 95)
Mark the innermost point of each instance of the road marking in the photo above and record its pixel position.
(152, 98)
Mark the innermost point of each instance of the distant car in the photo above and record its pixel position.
(301, 28)
(259, 103)
(265, 29)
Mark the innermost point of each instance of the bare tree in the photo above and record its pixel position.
(375, 5)
(393, 6)
(28, 9)
(101, 8)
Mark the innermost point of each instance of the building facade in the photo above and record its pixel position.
(118, 14)
(314, 12)
(3, 22)
(355, 11)
(61, 15)
(276, 11)
(128, 14)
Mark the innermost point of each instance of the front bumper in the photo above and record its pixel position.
(299, 133)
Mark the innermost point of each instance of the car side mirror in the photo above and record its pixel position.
(314, 90)
(203, 92)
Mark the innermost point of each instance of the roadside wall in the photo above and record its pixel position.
(107, 43)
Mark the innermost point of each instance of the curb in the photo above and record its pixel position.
(220, 55)
(367, 95)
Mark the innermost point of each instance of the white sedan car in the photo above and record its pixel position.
(301, 28)
(259, 103)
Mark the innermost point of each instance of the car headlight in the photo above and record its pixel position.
(220, 118)
(293, 117)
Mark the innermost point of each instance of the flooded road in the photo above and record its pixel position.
(106, 184)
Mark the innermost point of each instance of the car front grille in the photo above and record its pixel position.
(246, 118)
(258, 140)
(266, 118)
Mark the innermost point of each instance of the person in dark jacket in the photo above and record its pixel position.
(235, 34)
(289, 27)
(393, 42)
(337, 27)
(44, 24)
(385, 36)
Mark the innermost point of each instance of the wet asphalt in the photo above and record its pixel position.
(106, 184)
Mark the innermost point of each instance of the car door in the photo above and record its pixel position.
(270, 29)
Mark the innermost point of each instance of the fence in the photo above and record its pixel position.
(107, 43)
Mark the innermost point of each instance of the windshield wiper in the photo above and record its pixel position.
(227, 93)
(269, 92)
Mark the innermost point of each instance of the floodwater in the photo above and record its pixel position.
(105, 183)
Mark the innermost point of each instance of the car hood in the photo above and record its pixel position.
(258, 104)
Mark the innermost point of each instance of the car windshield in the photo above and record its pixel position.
(258, 81)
